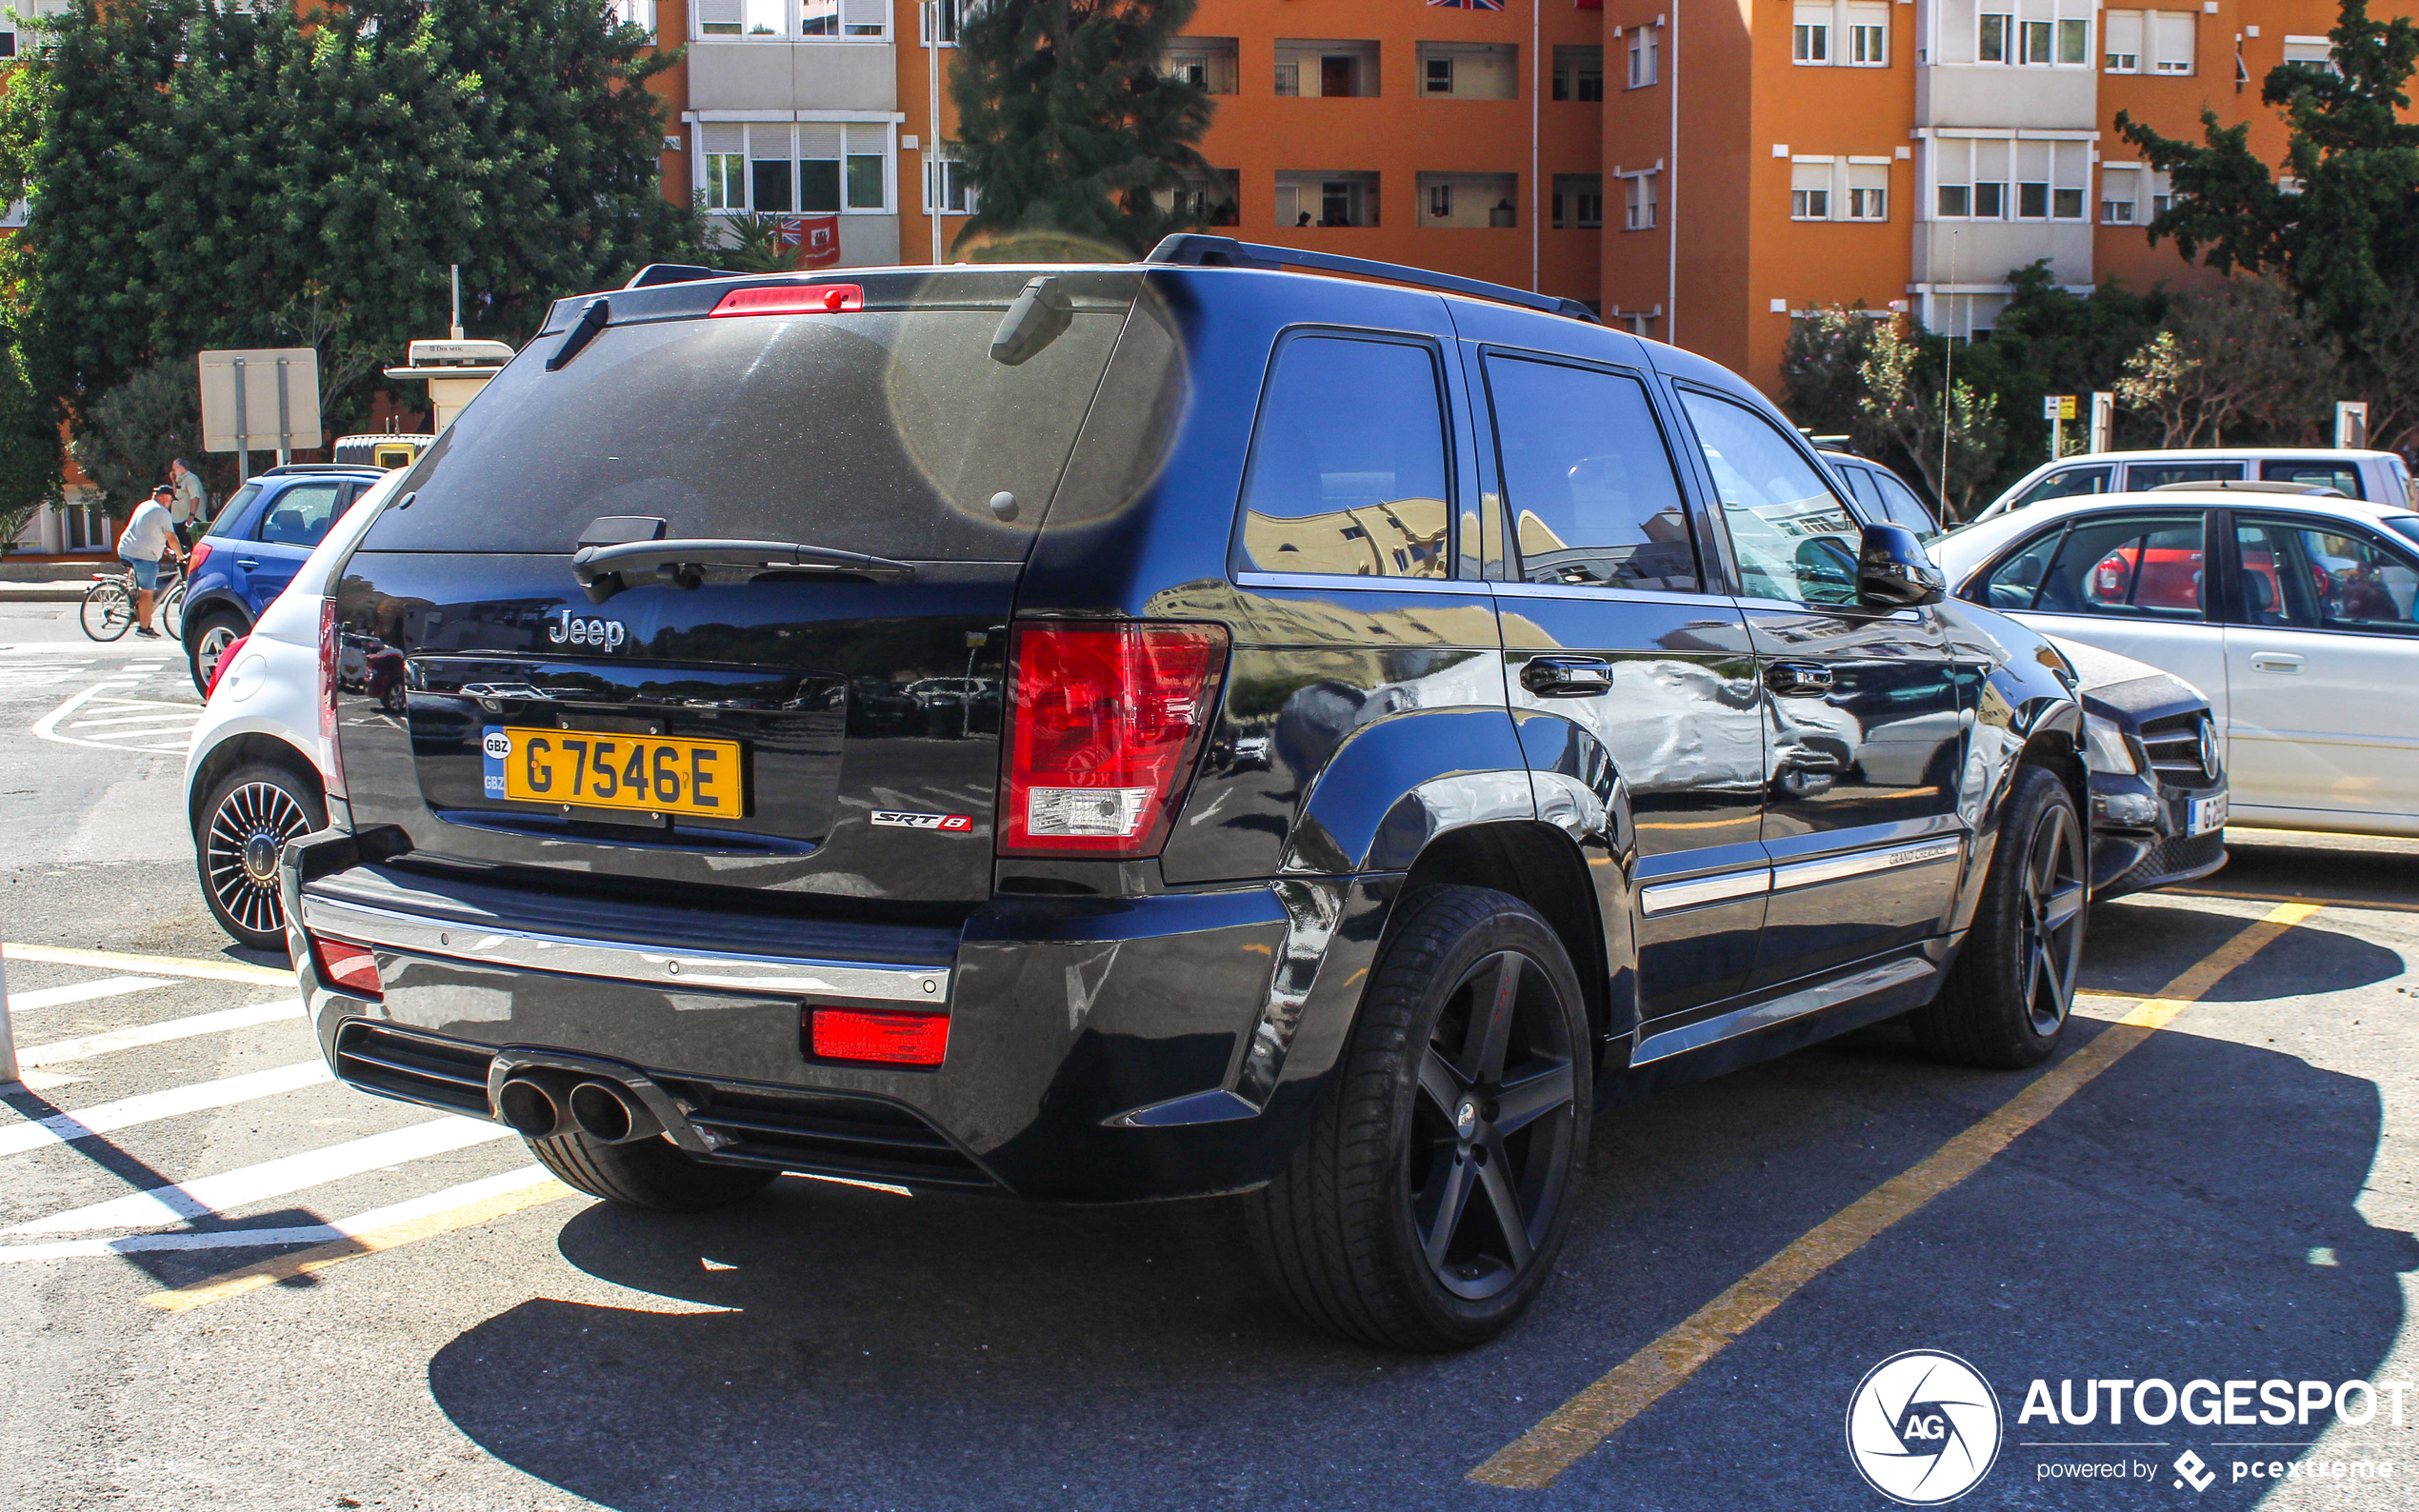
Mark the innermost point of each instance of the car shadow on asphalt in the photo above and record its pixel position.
(2190, 1214)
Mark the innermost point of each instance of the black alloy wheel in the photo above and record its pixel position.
(2004, 1001)
(1427, 1201)
(250, 815)
(1490, 1142)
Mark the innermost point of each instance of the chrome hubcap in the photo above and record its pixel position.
(251, 826)
(212, 646)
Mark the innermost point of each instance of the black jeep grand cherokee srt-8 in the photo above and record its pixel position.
(1113, 732)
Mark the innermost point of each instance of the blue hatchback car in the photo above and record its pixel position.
(255, 547)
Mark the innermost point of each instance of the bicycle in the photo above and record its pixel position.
(108, 611)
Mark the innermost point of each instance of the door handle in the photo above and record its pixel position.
(247, 563)
(1567, 676)
(2275, 662)
(1798, 679)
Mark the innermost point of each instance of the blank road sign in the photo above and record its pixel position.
(275, 405)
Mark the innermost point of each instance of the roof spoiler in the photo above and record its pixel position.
(653, 274)
(1187, 249)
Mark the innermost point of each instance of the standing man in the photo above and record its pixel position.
(149, 536)
(189, 507)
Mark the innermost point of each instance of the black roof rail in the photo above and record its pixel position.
(1190, 249)
(653, 274)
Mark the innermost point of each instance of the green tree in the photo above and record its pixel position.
(1945, 425)
(2239, 361)
(1822, 369)
(134, 431)
(2342, 230)
(1067, 124)
(204, 176)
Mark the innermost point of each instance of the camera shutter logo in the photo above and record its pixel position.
(1923, 1427)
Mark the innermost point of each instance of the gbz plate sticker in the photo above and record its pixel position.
(496, 748)
(952, 824)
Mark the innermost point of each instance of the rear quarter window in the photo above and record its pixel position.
(1349, 474)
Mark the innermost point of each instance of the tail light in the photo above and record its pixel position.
(226, 660)
(792, 299)
(348, 968)
(894, 1039)
(194, 558)
(331, 651)
(1105, 721)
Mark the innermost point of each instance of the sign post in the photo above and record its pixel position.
(2057, 409)
(2103, 422)
(2351, 425)
(242, 389)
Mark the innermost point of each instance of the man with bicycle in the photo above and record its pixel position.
(149, 536)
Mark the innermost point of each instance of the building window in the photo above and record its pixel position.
(1579, 201)
(1868, 192)
(777, 168)
(1329, 69)
(1869, 36)
(1470, 70)
(2120, 196)
(1637, 204)
(1990, 37)
(1956, 201)
(794, 20)
(1440, 75)
(1470, 200)
(1810, 190)
(725, 183)
(1440, 200)
(2172, 37)
(1579, 73)
(1810, 36)
(1646, 50)
(2314, 51)
(639, 13)
(1974, 178)
(946, 190)
(2122, 47)
(1206, 63)
(1306, 198)
(1289, 78)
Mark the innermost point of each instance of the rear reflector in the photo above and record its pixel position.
(896, 1038)
(1105, 721)
(792, 299)
(348, 968)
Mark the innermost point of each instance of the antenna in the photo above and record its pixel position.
(457, 300)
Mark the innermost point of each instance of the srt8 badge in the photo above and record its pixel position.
(950, 823)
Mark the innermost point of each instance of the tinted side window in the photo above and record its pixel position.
(1795, 540)
(2341, 476)
(1347, 470)
(1860, 483)
(2324, 579)
(2015, 583)
(1903, 508)
(1587, 479)
(2064, 484)
(2143, 476)
(300, 515)
(2142, 568)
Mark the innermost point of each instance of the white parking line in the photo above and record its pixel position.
(419, 1208)
(80, 992)
(100, 701)
(292, 1173)
(91, 1045)
(61, 1128)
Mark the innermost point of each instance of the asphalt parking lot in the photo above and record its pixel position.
(2214, 1180)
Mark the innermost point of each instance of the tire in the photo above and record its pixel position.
(652, 1174)
(108, 610)
(249, 815)
(209, 638)
(172, 612)
(1387, 1226)
(2007, 999)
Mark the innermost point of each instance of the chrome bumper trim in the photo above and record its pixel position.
(705, 971)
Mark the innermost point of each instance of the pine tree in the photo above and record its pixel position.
(1067, 124)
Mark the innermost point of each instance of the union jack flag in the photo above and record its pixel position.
(1469, 5)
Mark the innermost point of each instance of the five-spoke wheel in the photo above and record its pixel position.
(2005, 999)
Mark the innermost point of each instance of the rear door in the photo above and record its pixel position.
(286, 533)
(2320, 658)
(2132, 582)
(742, 721)
(1609, 626)
(1863, 709)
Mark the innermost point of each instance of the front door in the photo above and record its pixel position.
(1612, 642)
(288, 528)
(2319, 662)
(1863, 709)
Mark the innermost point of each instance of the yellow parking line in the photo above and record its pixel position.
(2277, 897)
(165, 966)
(1534, 1460)
(303, 1263)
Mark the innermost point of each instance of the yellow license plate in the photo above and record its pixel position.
(656, 774)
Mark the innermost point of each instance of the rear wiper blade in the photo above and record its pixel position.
(601, 568)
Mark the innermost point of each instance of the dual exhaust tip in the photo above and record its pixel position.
(542, 1104)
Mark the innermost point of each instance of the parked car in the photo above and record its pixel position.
(2293, 613)
(2378, 476)
(255, 547)
(2158, 789)
(1881, 495)
(1593, 744)
(255, 776)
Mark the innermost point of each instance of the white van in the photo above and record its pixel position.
(2377, 476)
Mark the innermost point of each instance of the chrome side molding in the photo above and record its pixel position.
(1725, 886)
(1667, 897)
(1780, 1010)
(705, 971)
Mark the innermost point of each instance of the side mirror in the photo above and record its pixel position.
(1893, 572)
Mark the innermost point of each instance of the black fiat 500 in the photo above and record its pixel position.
(1184, 728)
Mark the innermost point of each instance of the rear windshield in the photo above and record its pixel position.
(881, 432)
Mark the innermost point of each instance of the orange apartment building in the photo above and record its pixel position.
(1699, 172)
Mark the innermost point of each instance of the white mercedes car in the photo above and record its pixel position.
(2293, 611)
(253, 778)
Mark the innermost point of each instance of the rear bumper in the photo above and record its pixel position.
(1100, 1049)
